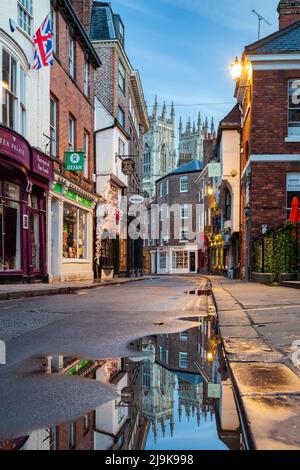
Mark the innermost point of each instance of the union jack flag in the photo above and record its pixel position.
(43, 43)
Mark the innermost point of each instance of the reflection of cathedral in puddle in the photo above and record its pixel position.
(158, 394)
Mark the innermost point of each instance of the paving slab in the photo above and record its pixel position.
(274, 422)
(245, 346)
(233, 318)
(271, 357)
(238, 332)
(265, 379)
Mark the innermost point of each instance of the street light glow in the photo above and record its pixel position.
(236, 69)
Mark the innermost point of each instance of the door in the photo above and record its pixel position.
(192, 262)
(10, 236)
(35, 242)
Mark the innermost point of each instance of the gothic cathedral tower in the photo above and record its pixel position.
(159, 148)
(192, 138)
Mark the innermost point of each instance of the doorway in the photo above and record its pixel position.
(192, 262)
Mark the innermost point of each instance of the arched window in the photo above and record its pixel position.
(147, 161)
(228, 203)
(163, 159)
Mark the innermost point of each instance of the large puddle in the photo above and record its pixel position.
(173, 393)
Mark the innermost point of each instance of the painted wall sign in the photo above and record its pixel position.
(14, 147)
(42, 165)
(128, 167)
(293, 181)
(136, 199)
(75, 161)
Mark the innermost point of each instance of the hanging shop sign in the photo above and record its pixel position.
(214, 170)
(128, 167)
(136, 199)
(75, 161)
(42, 165)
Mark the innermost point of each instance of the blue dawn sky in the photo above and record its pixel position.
(183, 48)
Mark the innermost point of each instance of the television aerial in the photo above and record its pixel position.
(260, 19)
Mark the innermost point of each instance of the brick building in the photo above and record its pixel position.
(73, 198)
(119, 94)
(175, 249)
(267, 91)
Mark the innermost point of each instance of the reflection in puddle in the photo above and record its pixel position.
(175, 395)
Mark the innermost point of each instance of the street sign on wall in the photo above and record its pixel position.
(75, 161)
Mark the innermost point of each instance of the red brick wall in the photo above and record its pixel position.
(269, 126)
(288, 14)
(83, 440)
(268, 194)
(70, 97)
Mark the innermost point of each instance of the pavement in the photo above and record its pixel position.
(23, 291)
(259, 325)
(95, 324)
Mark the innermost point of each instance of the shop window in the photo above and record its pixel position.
(10, 227)
(34, 228)
(294, 107)
(180, 260)
(9, 90)
(74, 233)
(25, 18)
(183, 360)
(163, 260)
(293, 190)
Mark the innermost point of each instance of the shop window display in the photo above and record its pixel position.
(74, 234)
(10, 258)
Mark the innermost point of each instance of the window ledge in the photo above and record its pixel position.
(75, 260)
(294, 138)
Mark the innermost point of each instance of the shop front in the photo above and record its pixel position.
(25, 175)
(70, 232)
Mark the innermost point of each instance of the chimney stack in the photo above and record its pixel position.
(289, 12)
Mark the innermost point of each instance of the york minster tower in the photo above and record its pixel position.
(191, 140)
(159, 147)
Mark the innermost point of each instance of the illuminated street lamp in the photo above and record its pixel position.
(210, 190)
(236, 69)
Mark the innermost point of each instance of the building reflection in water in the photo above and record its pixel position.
(176, 395)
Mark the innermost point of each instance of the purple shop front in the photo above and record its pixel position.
(25, 175)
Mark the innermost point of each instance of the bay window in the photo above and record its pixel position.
(74, 233)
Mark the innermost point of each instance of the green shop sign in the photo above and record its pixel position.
(75, 161)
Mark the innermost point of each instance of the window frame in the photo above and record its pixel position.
(53, 21)
(183, 364)
(183, 209)
(25, 23)
(79, 211)
(53, 128)
(86, 78)
(86, 145)
(121, 113)
(71, 49)
(11, 91)
(71, 144)
(184, 180)
(122, 77)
